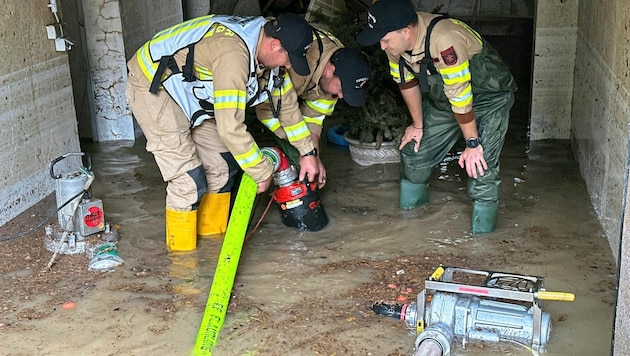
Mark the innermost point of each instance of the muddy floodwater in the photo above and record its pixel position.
(310, 293)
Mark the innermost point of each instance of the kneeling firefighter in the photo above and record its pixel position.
(188, 88)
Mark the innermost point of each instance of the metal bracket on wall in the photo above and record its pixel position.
(55, 31)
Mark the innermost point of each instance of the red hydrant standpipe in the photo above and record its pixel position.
(298, 202)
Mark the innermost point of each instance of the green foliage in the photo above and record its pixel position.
(384, 117)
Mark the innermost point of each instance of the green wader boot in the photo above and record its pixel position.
(413, 195)
(484, 217)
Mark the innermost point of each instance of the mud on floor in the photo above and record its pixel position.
(316, 325)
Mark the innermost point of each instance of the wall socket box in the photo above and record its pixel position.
(53, 31)
(62, 44)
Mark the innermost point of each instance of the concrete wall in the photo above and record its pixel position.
(621, 329)
(36, 106)
(599, 130)
(141, 19)
(554, 62)
(108, 70)
(601, 111)
(37, 112)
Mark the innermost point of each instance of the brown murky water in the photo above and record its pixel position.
(309, 293)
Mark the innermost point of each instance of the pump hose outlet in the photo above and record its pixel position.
(387, 309)
(435, 340)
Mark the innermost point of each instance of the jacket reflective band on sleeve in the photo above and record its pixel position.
(319, 120)
(395, 73)
(204, 73)
(272, 123)
(456, 74)
(297, 132)
(464, 98)
(229, 99)
(249, 158)
(323, 106)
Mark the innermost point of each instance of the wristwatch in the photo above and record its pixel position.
(472, 142)
(311, 153)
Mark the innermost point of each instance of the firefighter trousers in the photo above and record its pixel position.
(191, 161)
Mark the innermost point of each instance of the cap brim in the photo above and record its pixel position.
(370, 36)
(353, 96)
(299, 65)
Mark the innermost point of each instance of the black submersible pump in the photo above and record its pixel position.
(298, 201)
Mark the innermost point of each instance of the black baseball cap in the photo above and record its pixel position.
(386, 16)
(353, 69)
(296, 37)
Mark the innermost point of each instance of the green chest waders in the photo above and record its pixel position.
(493, 88)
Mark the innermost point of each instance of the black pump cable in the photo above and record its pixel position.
(15, 236)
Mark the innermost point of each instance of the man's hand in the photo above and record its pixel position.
(472, 160)
(308, 167)
(264, 185)
(411, 134)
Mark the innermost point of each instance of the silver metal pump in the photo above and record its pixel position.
(447, 310)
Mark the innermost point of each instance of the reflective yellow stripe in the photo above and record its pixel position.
(472, 32)
(204, 73)
(395, 72)
(249, 158)
(319, 120)
(456, 74)
(272, 123)
(183, 27)
(330, 36)
(229, 99)
(286, 85)
(144, 60)
(464, 98)
(297, 131)
(144, 56)
(323, 106)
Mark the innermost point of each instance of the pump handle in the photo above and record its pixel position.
(88, 159)
(437, 274)
(560, 296)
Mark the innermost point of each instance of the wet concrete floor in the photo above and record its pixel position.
(310, 293)
(546, 228)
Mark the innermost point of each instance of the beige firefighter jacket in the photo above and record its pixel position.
(452, 44)
(315, 104)
(223, 57)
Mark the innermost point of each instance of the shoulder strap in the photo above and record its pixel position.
(188, 68)
(320, 46)
(426, 63)
(165, 62)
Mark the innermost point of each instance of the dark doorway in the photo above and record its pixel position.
(516, 48)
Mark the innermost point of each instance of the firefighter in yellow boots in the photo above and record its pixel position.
(336, 73)
(188, 88)
(455, 86)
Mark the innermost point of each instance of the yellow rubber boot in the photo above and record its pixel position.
(212, 215)
(181, 230)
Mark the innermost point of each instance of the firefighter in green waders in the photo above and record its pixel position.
(455, 85)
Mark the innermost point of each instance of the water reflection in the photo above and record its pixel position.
(192, 271)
